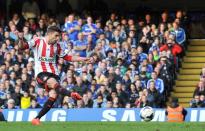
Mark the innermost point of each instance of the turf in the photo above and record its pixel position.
(102, 126)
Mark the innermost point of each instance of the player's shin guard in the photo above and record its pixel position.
(47, 106)
(65, 92)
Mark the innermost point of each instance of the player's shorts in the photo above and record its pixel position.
(43, 77)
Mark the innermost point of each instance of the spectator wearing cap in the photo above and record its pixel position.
(159, 84)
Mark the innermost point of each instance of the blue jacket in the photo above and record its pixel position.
(159, 85)
(180, 35)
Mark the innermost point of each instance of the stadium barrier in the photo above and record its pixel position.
(94, 114)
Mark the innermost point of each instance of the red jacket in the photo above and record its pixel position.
(176, 49)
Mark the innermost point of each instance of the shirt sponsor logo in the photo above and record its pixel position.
(47, 59)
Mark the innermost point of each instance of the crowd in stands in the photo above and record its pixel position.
(135, 61)
(198, 100)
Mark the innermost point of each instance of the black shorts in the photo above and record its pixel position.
(43, 77)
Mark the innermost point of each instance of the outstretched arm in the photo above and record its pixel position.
(77, 58)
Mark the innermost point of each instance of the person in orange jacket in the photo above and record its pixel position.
(175, 112)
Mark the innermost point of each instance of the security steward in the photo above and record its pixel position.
(175, 112)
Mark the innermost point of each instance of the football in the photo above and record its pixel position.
(147, 113)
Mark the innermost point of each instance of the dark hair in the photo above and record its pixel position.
(53, 29)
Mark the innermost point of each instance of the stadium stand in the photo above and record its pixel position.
(136, 61)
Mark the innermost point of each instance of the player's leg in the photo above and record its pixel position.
(48, 104)
(42, 82)
(52, 83)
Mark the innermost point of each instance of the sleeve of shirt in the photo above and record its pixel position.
(33, 43)
(161, 86)
(60, 51)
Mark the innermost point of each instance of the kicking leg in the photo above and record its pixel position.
(56, 89)
(62, 91)
(49, 103)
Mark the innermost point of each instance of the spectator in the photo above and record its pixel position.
(127, 56)
(34, 104)
(200, 89)
(71, 27)
(134, 94)
(159, 84)
(41, 98)
(90, 29)
(179, 34)
(25, 101)
(10, 104)
(153, 97)
(80, 45)
(87, 101)
(109, 104)
(194, 103)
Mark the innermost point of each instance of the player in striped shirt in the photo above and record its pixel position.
(46, 49)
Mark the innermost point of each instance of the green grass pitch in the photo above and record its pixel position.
(102, 126)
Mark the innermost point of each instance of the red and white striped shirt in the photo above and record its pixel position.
(45, 55)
